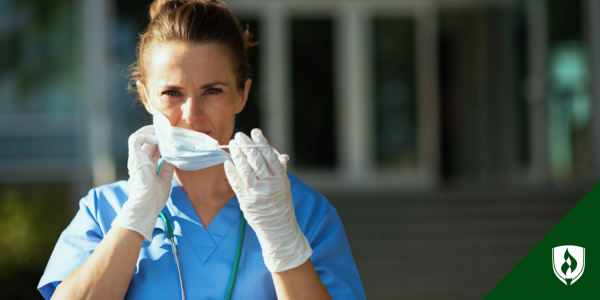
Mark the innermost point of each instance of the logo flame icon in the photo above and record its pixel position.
(570, 263)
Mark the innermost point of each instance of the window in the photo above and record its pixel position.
(395, 93)
(249, 118)
(313, 93)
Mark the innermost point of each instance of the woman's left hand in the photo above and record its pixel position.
(260, 182)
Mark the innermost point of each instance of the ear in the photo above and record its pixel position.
(143, 95)
(244, 96)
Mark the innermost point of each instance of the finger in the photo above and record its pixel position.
(234, 178)
(138, 160)
(283, 159)
(241, 164)
(140, 137)
(271, 158)
(253, 156)
(157, 153)
(136, 142)
(166, 171)
(148, 129)
(151, 150)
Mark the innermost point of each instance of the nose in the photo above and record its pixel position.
(192, 110)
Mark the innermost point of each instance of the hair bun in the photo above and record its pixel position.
(158, 5)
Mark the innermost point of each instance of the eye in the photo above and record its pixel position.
(213, 91)
(171, 93)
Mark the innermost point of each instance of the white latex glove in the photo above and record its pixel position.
(148, 192)
(260, 182)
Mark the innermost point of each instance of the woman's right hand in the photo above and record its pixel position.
(107, 273)
(148, 192)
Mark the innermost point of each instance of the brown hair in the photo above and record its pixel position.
(193, 21)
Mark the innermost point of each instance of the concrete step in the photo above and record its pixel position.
(445, 230)
(447, 245)
(483, 211)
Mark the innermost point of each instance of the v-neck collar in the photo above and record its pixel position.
(204, 240)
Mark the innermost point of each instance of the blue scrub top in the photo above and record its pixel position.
(206, 254)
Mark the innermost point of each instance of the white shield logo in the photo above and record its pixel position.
(568, 263)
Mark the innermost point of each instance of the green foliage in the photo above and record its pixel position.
(32, 216)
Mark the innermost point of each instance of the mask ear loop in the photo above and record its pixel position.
(252, 146)
(147, 98)
(246, 146)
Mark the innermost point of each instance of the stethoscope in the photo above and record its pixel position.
(236, 263)
(238, 252)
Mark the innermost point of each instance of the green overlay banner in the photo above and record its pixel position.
(565, 263)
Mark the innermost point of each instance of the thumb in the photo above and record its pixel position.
(283, 159)
(234, 178)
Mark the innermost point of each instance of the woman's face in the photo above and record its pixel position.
(193, 85)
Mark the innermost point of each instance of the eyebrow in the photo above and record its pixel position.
(205, 86)
(170, 87)
(209, 85)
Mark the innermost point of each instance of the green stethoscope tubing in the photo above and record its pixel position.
(171, 236)
(238, 252)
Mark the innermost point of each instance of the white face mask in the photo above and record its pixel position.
(186, 149)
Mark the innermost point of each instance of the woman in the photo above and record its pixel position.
(192, 76)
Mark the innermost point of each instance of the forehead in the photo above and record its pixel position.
(180, 62)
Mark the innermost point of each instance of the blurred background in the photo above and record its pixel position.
(451, 135)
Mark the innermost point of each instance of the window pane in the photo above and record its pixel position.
(38, 57)
(485, 126)
(569, 99)
(312, 85)
(39, 147)
(396, 126)
(521, 128)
